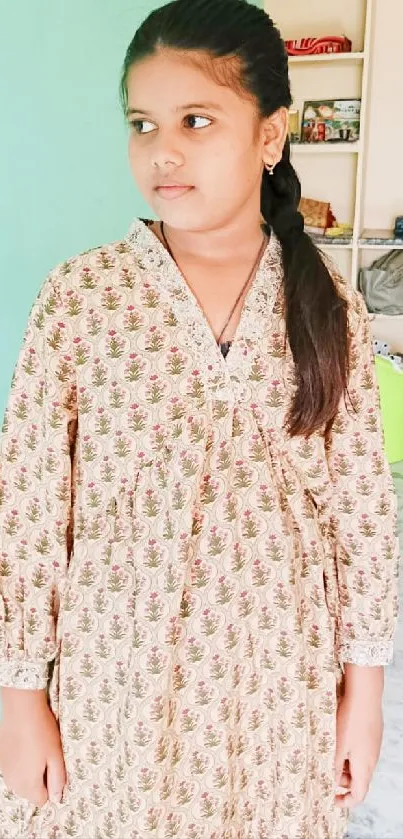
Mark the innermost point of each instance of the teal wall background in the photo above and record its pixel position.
(65, 184)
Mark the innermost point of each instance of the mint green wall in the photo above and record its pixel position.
(65, 184)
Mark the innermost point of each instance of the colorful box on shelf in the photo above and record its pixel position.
(318, 46)
(331, 121)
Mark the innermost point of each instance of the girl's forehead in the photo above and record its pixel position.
(180, 74)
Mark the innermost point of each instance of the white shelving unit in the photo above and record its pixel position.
(337, 172)
(362, 61)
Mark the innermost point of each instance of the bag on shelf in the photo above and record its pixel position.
(382, 284)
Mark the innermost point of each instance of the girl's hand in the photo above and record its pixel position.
(358, 744)
(31, 756)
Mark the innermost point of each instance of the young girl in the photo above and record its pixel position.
(198, 545)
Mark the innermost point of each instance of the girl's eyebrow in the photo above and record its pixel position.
(193, 105)
(202, 106)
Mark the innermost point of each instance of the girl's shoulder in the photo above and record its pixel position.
(100, 278)
(104, 264)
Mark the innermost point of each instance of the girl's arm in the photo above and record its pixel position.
(36, 452)
(364, 513)
(364, 527)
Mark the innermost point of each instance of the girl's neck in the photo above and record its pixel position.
(221, 246)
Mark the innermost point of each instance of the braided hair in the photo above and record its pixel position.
(316, 316)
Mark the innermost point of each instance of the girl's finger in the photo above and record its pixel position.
(345, 782)
(359, 784)
(343, 790)
(348, 801)
(341, 763)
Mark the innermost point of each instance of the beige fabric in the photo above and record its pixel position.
(196, 577)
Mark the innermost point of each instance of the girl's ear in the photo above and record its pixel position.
(275, 130)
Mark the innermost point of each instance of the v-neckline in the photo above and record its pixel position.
(259, 300)
(192, 297)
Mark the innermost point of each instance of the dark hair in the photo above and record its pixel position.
(316, 316)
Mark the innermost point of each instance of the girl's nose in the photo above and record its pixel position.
(166, 153)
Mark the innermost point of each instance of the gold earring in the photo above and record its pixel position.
(270, 168)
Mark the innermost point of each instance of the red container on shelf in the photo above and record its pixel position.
(318, 46)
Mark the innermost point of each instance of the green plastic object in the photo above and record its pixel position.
(390, 382)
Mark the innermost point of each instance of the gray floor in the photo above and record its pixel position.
(381, 816)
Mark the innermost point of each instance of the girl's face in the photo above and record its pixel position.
(196, 147)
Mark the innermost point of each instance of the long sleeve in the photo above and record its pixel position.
(36, 456)
(364, 520)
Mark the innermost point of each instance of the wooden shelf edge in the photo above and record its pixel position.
(326, 148)
(332, 58)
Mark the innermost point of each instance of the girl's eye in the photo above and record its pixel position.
(142, 126)
(194, 121)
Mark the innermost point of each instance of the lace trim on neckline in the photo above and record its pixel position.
(226, 377)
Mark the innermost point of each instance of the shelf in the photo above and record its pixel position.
(324, 242)
(326, 148)
(376, 316)
(396, 247)
(388, 242)
(342, 58)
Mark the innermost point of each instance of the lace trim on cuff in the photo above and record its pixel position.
(375, 654)
(27, 675)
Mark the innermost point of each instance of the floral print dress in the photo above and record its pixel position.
(185, 579)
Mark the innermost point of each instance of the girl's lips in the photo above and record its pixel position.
(171, 192)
